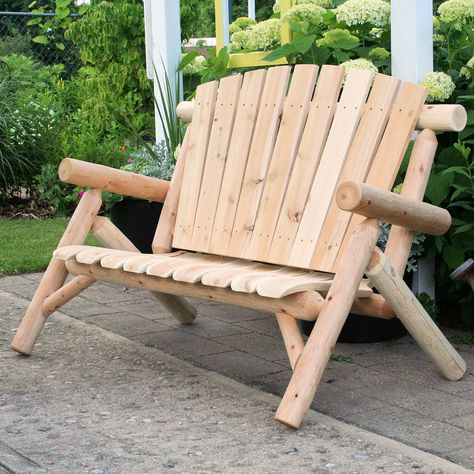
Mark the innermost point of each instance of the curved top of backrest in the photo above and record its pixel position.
(267, 150)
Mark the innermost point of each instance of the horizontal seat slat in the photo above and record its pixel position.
(242, 276)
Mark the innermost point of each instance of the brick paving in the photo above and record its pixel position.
(388, 388)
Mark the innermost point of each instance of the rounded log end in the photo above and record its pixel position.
(65, 170)
(443, 117)
(443, 223)
(458, 118)
(348, 195)
(184, 111)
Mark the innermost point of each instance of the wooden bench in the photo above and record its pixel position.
(275, 204)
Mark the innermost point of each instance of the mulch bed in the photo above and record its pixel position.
(25, 208)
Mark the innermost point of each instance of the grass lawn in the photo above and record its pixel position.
(26, 245)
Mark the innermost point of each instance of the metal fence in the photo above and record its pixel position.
(16, 37)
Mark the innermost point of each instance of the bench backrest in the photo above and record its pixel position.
(264, 159)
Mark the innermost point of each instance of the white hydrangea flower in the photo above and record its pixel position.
(310, 14)
(195, 66)
(318, 3)
(239, 40)
(466, 71)
(263, 35)
(457, 11)
(440, 86)
(242, 23)
(378, 54)
(358, 12)
(359, 64)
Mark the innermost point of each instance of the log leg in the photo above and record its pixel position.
(110, 236)
(338, 302)
(414, 317)
(291, 337)
(56, 273)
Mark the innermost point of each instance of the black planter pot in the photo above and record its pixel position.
(137, 219)
(367, 329)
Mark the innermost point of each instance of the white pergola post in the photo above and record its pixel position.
(412, 58)
(412, 39)
(163, 43)
(251, 9)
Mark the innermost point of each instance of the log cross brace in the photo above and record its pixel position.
(52, 292)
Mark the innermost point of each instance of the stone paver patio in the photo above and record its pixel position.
(387, 388)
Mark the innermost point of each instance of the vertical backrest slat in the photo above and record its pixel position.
(242, 174)
(392, 148)
(197, 150)
(312, 144)
(287, 143)
(361, 155)
(340, 137)
(221, 132)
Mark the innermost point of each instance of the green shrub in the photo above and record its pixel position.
(30, 120)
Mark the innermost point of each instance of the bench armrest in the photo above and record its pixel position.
(91, 175)
(377, 203)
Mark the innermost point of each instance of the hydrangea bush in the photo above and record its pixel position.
(356, 34)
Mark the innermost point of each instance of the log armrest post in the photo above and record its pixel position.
(376, 203)
(92, 175)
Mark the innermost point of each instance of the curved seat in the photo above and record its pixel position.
(271, 281)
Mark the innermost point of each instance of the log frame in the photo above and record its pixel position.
(317, 351)
(376, 203)
(438, 117)
(92, 175)
(55, 275)
(414, 317)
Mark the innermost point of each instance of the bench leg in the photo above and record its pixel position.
(56, 273)
(291, 333)
(336, 307)
(110, 236)
(414, 317)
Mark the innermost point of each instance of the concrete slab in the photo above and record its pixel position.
(160, 413)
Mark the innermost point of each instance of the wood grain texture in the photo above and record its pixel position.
(361, 154)
(388, 159)
(222, 130)
(400, 239)
(321, 113)
(243, 178)
(339, 140)
(287, 143)
(195, 161)
(163, 237)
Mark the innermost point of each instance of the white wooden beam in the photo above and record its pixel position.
(148, 39)
(251, 9)
(412, 39)
(166, 47)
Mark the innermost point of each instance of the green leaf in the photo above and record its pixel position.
(281, 52)
(60, 46)
(453, 255)
(40, 39)
(438, 187)
(303, 43)
(188, 58)
(341, 56)
(83, 9)
(62, 13)
(463, 228)
(62, 3)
